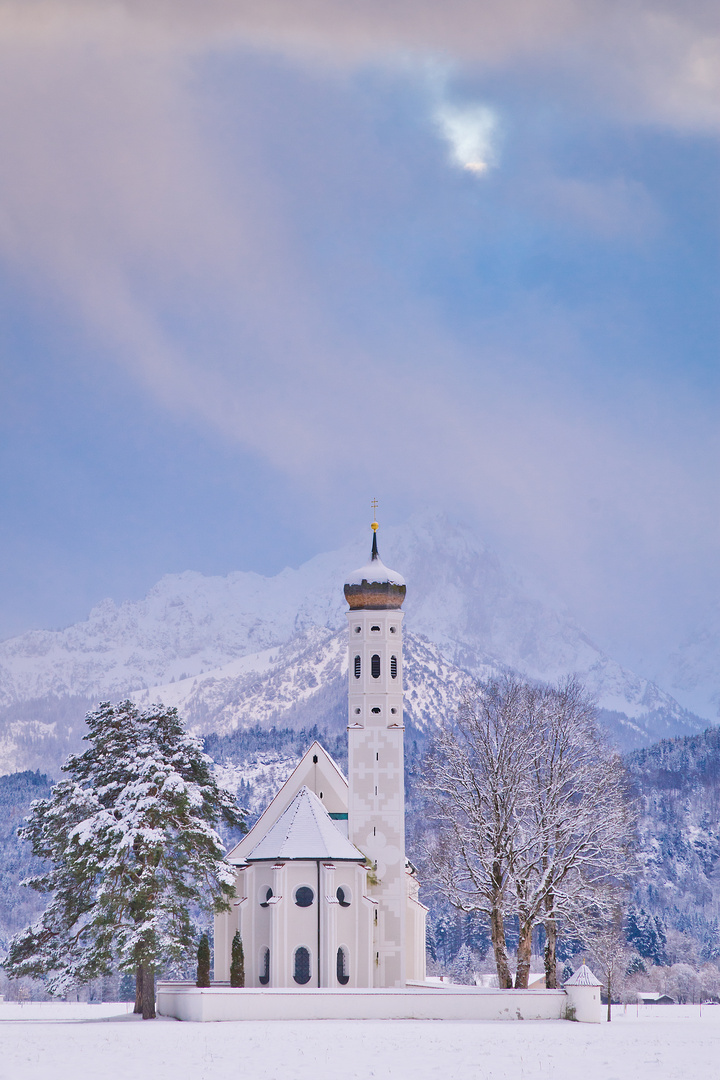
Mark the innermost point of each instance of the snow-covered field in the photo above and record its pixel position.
(74, 1042)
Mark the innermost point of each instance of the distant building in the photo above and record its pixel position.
(325, 894)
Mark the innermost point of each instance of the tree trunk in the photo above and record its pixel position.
(138, 989)
(550, 955)
(523, 955)
(609, 997)
(148, 992)
(497, 933)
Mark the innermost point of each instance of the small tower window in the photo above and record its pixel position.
(357, 667)
(264, 976)
(393, 667)
(376, 710)
(393, 711)
(343, 896)
(304, 896)
(265, 897)
(358, 629)
(357, 712)
(375, 666)
(343, 967)
(374, 629)
(393, 630)
(301, 973)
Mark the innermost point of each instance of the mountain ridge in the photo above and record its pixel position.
(475, 615)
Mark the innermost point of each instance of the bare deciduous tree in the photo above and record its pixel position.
(474, 798)
(530, 814)
(604, 934)
(574, 839)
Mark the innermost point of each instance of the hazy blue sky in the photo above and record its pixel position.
(260, 262)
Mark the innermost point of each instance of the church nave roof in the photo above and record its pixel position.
(305, 831)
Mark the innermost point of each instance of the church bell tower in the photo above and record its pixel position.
(376, 810)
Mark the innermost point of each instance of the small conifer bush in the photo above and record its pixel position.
(203, 962)
(237, 961)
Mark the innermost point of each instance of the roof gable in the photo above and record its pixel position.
(304, 831)
(319, 776)
(582, 977)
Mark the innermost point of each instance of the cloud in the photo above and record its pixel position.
(654, 61)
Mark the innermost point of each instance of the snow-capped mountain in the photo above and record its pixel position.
(692, 671)
(244, 648)
(305, 683)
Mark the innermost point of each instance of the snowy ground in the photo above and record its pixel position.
(75, 1042)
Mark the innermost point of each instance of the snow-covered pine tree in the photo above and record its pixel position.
(133, 848)
(237, 961)
(203, 961)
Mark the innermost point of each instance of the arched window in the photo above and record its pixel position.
(304, 896)
(264, 966)
(265, 896)
(357, 667)
(343, 966)
(393, 667)
(301, 974)
(375, 666)
(343, 896)
(374, 629)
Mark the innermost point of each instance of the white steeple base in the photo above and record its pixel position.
(376, 796)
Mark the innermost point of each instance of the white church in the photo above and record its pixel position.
(326, 897)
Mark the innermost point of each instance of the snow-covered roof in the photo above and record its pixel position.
(375, 572)
(325, 775)
(582, 977)
(305, 831)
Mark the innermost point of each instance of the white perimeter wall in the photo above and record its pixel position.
(186, 1002)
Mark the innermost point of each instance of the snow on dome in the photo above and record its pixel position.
(305, 831)
(583, 977)
(375, 585)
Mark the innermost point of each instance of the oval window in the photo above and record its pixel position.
(343, 967)
(357, 667)
(304, 896)
(374, 629)
(343, 896)
(264, 976)
(301, 972)
(375, 666)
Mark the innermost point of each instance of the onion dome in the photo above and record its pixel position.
(373, 586)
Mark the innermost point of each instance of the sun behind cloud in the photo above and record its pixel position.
(471, 132)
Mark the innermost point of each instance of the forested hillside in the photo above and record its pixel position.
(678, 784)
(18, 905)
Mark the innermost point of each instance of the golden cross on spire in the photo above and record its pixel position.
(374, 525)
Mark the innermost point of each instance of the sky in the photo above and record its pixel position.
(261, 262)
